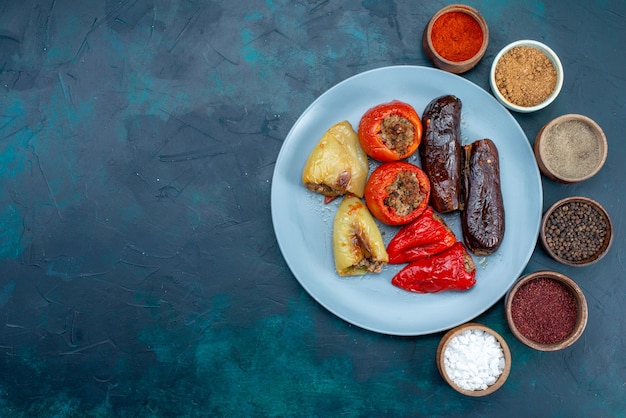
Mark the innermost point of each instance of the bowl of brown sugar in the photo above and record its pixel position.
(570, 148)
(546, 310)
(526, 76)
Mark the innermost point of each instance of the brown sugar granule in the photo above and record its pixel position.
(544, 311)
(525, 76)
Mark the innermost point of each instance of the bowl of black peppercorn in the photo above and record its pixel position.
(576, 231)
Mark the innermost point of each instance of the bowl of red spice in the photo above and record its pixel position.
(570, 148)
(576, 231)
(546, 310)
(526, 76)
(456, 38)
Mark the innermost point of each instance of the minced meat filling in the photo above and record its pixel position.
(371, 265)
(397, 133)
(468, 263)
(404, 194)
(324, 189)
(338, 189)
(368, 261)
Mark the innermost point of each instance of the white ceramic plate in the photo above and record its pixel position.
(303, 224)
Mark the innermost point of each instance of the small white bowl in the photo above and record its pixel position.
(551, 56)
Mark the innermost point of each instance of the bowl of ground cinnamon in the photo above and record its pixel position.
(456, 38)
(526, 76)
(570, 148)
(546, 310)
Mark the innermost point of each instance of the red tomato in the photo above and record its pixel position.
(397, 193)
(390, 131)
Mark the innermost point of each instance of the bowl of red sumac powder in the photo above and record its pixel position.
(546, 310)
(456, 38)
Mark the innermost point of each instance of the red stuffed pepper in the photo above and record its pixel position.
(425, 236)
(453, 269)
(390, 131)
(397, 193)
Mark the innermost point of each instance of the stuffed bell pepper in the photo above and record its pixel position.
(357, 242)
(337, 165)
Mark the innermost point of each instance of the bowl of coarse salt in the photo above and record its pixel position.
(474, 359)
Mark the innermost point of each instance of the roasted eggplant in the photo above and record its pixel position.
(482, 219)
(357, 242)
(337, 165)
(441, 152)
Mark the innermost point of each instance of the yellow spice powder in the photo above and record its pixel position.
(525, 76)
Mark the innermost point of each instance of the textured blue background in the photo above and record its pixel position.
(139, 273)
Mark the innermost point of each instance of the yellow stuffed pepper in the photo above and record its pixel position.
(357, 242)
(337, 165)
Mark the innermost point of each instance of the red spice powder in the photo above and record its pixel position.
(456, 36)
(544, 311)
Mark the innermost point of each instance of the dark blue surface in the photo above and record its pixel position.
(139, 273)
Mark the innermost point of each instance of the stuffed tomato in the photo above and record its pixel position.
(390, 131)
(397, 193)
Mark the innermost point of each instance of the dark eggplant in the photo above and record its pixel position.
(482, 219)
(440, 152)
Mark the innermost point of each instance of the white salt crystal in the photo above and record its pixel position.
(474, 359)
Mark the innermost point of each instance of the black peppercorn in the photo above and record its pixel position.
(576, 231)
